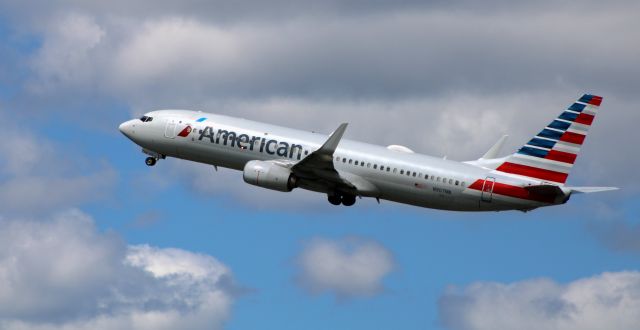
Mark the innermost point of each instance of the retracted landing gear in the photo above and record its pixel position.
(346, 200)
(150, 161)
(335, 199)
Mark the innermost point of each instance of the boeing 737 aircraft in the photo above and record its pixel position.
(282, 159)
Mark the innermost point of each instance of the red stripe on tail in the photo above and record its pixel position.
(533, 172)
(572, 138)
(596, 100)
(561, 156)
(584, 118)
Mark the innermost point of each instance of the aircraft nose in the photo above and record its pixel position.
(126, 128)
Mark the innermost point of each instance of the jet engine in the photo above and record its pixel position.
(269, 175)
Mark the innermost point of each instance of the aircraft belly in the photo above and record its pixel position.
(425, 196)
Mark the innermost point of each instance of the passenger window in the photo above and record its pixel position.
(395, 169)
(362, 164)
(463, 184)
(426, 176)
(401, 171)
(388, 169)
(344, 160)
(350, 161)
(408, 173)
(457, 182)
(368, 165)
(414, 174)
(338, 159)
(356, 163)
(381, 167)
(375, 166)
(306, 152)
(438, 179)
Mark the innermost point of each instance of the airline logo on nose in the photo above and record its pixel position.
(185, 132)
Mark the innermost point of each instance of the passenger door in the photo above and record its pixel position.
(170, 129)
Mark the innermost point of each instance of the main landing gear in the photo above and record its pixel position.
(346, 200)
(150, 161)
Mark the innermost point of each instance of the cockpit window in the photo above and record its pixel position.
(146, 118)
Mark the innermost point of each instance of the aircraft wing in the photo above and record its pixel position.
(318, 168)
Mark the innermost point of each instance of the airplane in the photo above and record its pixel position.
(282, 159)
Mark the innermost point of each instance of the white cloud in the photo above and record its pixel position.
(606, 301)
(37, 175)
(61, 273)
(68, 55)
(349, 267)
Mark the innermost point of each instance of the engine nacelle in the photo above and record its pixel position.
(269, 175)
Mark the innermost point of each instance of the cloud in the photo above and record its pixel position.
(605, 301)
(348, 268)
(68, 54)
(61, 273)
(37, 175)
(394, 55)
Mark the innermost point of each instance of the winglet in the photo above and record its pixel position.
(495, 150)
(332, 142)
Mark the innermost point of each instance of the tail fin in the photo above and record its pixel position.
(550, 155)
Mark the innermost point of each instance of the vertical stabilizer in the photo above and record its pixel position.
(550, 155)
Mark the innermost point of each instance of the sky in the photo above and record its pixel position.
(90, 237)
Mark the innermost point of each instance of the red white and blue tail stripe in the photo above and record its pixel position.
(550, 155)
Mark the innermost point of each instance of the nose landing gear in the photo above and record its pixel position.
(153, 157)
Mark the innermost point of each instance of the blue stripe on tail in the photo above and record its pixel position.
(533, 152)
(541, 143)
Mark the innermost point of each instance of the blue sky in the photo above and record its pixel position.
(442, 79)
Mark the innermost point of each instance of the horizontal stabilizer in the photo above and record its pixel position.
(586, 190)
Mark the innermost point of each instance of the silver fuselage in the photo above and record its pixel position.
(232, 142)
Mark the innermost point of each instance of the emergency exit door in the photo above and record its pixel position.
(487, 189)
